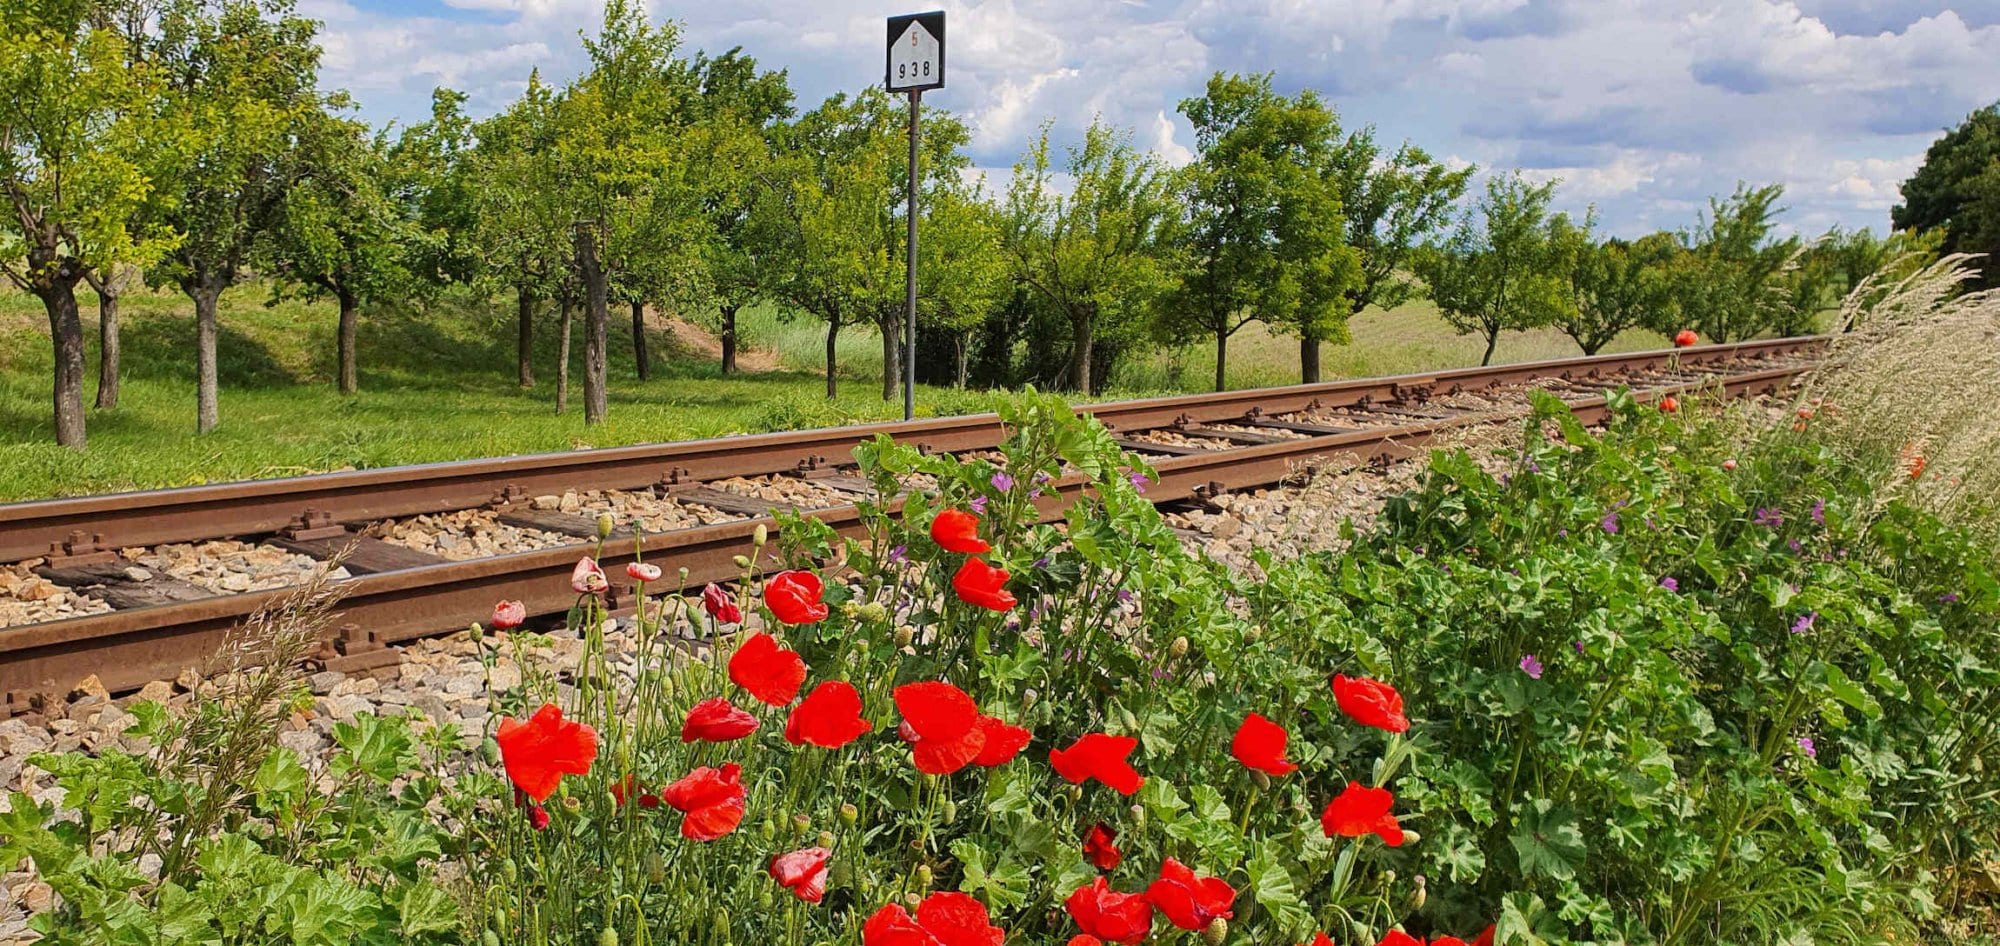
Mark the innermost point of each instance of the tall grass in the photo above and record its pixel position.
(1912, 389)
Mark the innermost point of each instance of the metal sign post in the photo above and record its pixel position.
(915, 62)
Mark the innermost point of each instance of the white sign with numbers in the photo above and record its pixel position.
(916, 52)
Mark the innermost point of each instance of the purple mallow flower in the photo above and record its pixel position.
(1949, 597)
(1002, 482)
(1124, 596)
(1531, 666)
(898, 555)
(1805, 622)
(1609, 523)
(1806, 746)
(1138, 480)
(1670, 584)
(1769, 517)
(978, 504)
(1579, 647)
(1819, 512)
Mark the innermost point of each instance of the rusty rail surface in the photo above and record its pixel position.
(127, 649)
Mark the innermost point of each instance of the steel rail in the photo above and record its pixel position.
(261, 507)
(127, 649)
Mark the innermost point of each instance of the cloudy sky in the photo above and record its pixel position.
(1641, 107)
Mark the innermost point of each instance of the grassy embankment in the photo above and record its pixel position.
(439, 385)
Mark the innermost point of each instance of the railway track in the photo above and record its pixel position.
(711, 493)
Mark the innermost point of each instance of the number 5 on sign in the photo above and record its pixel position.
(916, 52)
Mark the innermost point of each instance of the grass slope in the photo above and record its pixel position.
(439, 385)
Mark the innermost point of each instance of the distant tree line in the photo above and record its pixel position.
(188, 141)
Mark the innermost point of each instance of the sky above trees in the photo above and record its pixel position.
(1642, 107)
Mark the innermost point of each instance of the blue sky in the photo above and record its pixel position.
(1642, 107)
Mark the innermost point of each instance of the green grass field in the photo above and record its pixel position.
(439, 385)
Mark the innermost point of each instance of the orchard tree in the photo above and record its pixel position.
(81, 128)
(243, 76)
(336, 232)
(1094, 252)
(1728, 283)
(964, 275)
(520, 228)
(430, 177)
(1265, 240)
(1393, 206)
(1957, 191)
(1609, 287)
(1496, 272)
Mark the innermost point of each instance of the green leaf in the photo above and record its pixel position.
(1524, 921)
(1272, 886)
(1851, 693)
(1005, 884)
(379, 747)
(1548, 841)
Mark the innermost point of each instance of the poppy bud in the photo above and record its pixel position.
(1138, 816)
(849, 814)
(684, 574)
(1179, 647)
(608, 937)
(801, 823)
(490, 938)
(656, 867)
(841, 874)
(742, 561)
(605, 524)
(826, 839)
(904, 635)
(766, 830)
(1418, 895)
(572, 803)
(913, 900)
(509, 871)
(950, 811)
(1252, 635)
(873, 611)
(1217, 931)
(1131, 722)
(924, 876)
(538, 817)
(1262, 781)
(1411, 837)
(478, 633)
(760, 535)
(721, 918)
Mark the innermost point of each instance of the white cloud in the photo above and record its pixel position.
(1643, 107)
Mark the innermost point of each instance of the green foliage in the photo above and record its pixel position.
(1265, 235)
(1608, 287)
(1392, 205)
(1730, 282)
(1957, 191)
(1497, 271)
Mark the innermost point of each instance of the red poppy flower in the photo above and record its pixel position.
(793, 597)
(539, 752)
(1122, 918)
(712, 800)
(1685, 337)
(1003, 741)
(1260, 745)
(1321, 939)
(1370, 703)
(1085, 939)
(640, 571)
(956, 530)
(720, 604)
(944, 723)
(771, 673)
(1485, 937)
(981, 584)
(1447, 941)
(1189, 901)
(1102, 757)
(538, 818)
(508, 615)
(715, 720)
(1669, 404)
(587, 578)
(1358, 811)
(1100, 848)
(829, 717)
(945, 918)
(803, 872)
(1399, 938)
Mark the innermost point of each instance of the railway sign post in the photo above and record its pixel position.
(915, 62)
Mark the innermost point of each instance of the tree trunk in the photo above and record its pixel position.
(350, 329)
(832, 337)
(107, 340)
(1221, 360)
(639, 340)
(66, 332)
(1492, 342)
(524, 344)
(1308, 359)
(596, 325)
(729, 339)
(1082, 340)
(562, 357)
(959, 341)
(206, 296)
(892, 367)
